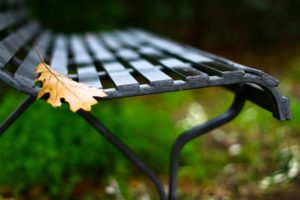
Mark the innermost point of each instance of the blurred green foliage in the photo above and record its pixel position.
(203, 23)
(57, 150)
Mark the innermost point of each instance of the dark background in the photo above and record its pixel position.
(206, 23)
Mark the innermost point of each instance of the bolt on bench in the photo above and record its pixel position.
(135, 62)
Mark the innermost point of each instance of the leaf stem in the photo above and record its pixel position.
(53, 73)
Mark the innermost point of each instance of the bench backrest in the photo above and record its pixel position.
(17, 33)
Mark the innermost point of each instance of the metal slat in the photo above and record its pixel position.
(172, 47)
(192, 57)
(169, 46)
(110, 40)
(25, 73)
(149, 51)
(12, 17)
(151, 73)
(175, 49)
(59, 60)
(271, 81)
(211, 67)
(184, 69)
(127, 54)
(226, 69)
(158, 42)
(127, 38)
(12, 43)
(81, 55)
(166, 45)
(204, 63)
(140, 36)
(98, 49)
(88, 75)
(212, 70)
(120, 76)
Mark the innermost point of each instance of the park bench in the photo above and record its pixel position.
(127, 63)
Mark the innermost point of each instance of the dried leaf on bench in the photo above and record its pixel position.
(78, 95)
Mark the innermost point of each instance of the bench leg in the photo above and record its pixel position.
(180, 142)
(108, 135)
(184, 138)
(16, 114)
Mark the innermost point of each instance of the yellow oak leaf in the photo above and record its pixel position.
(78, 95)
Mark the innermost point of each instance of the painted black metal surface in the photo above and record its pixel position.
(127, 63)
(16, 114)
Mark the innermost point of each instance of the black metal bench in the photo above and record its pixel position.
(127, 63)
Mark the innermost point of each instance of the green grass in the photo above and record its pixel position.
(54, 147)
(58, 151)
